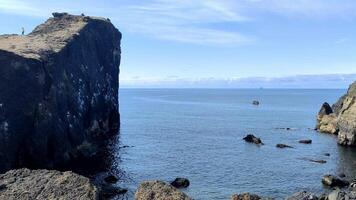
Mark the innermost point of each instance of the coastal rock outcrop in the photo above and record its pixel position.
(341, 119)
(24, 184)
(58, 91)
(180, 183)
(245, 196)
(333, 181)
(252, 139)
(303, 195)
(159, 190)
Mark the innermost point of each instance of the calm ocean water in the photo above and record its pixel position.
(197, 133)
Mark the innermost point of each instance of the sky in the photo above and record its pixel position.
(217, 43)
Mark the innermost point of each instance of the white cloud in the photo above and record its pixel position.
(188, 21)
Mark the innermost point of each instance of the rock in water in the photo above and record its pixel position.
(252, 139)
(283, 146)
(303, 195)
(58, 91)
(245, 196)
(342, 120)
(24, 184)
(180, 183)
(333, 181)
(326, 120)
(158, 190)
(305, 141)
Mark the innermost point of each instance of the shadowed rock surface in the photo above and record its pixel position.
(25, 184)
(252, 139)
(180, 183)
(58, 91)
(333, 181)
(159, 190)
(342, 119)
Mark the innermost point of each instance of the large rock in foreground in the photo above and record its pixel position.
(24, 184)
(58, 91)
(159, 190)
(341, 119)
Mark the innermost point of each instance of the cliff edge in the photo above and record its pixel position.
(340, 119)
(58, 91)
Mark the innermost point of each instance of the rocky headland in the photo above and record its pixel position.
(340, 118)
(58, 91)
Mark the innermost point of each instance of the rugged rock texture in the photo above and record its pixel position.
(58, 91)
(158, 190)
(245, 196)
(342, 118)
(24, 184)
(303, 195)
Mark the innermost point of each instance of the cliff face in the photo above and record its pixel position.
(58, 91)
(342, 118)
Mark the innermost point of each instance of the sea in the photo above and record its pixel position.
(197, 134)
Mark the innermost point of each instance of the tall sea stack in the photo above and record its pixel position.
(58, 91)
(340, 119)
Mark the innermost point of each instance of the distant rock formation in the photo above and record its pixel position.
(340, 118)
(58, 91)
(24, 184)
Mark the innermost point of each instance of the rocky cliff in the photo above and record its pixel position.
(340, 119)
(58, 91)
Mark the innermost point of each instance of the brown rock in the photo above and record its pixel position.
(159, 190)
(25, 184)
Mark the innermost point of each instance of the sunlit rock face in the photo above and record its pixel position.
(341, 118)
(58, 91)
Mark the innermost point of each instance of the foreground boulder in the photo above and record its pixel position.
(180, 183)
(159, 190)
(333, 181)
(252, 139)
(58, 91)
(25, 184)
(341, 119)
(303, 195)
(245, 196)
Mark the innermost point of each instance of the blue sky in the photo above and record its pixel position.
(191, 41)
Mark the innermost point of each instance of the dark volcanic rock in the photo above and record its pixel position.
(333, 181)
(305, 141)
(283, 146)
(180, 183)
(58, 91)
(252, 139)
(111, 179)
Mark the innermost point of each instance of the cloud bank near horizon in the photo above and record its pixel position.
(299, 81)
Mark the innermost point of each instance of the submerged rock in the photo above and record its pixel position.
(159, 190)
(333, 181)
(303, 195)
(58, 91)
(252, 139)
(245, 196)
(25, 184)
(111, 179)
(305, 141)
(283, 146)
(180, 183)
(255, 102)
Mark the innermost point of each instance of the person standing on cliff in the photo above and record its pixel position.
(23, 30)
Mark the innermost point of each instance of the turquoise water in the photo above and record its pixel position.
(197, 133)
